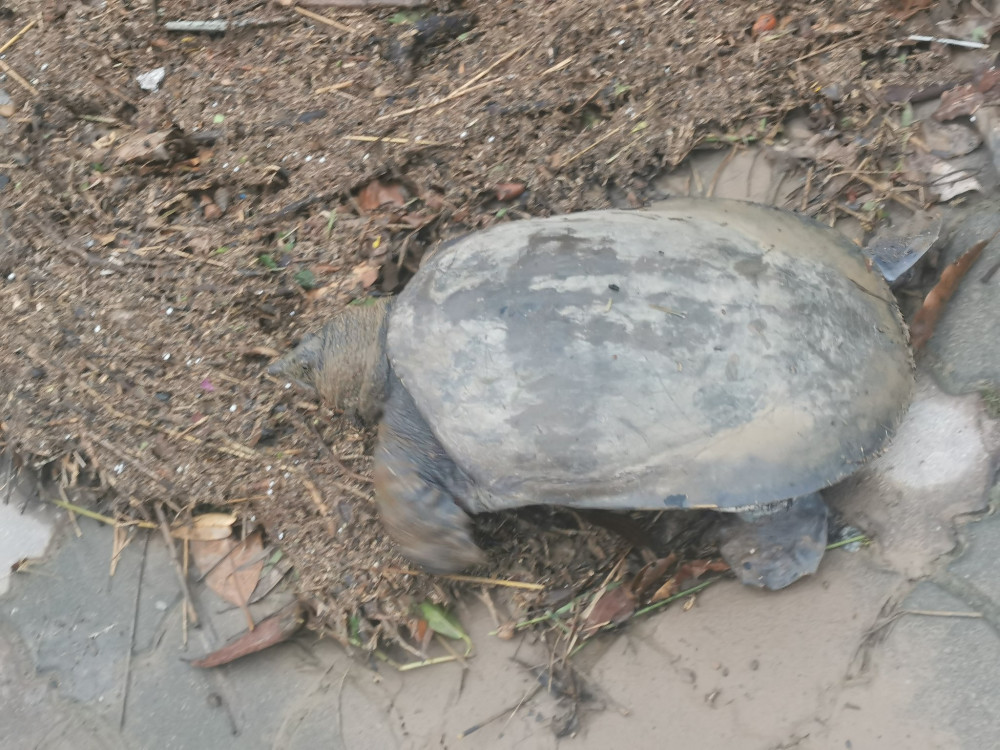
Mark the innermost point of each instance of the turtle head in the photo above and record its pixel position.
(345, 362)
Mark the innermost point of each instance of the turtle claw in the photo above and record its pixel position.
(774, 548)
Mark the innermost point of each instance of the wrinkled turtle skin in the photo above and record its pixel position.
(703, 354)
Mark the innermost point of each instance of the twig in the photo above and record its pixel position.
(387, 139)
(13, 40)
(889, 191)
(719, 169)
(371, 3)
(465, 88)
(98, 517)
(18, 78)
(944, 40)
(489, 68)
(923, 613)
(127, 678)
(218, 26)
(426, 663)
(664, 602)
(626, 147)
(500, 714)
(990, 273)
(188, 604)
(860, 539)
(668, 311)
(474, 579)
(333, 456)
(820, 51)
(102, 119)
(603, 138)
(807, 189)
(72, 514)
(340, 705)
(495, 582)
(319, 18)
(557, 67)
(453, 95)
(334, 87)
(940, 613)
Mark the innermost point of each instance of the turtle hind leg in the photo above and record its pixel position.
(416, 485)
(774, 547)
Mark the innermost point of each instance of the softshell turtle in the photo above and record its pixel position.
(704, 354)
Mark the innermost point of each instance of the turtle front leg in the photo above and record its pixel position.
(775, 546)
(416, 485)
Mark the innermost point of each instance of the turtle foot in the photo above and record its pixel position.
(775, 547)
(416, 490)
(425, 522)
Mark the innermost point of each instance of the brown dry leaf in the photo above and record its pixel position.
(277, 567)
(665, 591)
(961, 100)
(615, 606)
(417, 220)
(366, 274)
(236, 576)
(687, 572)
(264, 352)
(506, 191)
(275, 629)
(651, 573)
(925, 321)
(764, 23)
(315, 295)
(376, 194)
(146, 147)
(697, 568)
(206, 527)
(208, 553)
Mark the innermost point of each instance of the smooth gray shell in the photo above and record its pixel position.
(706, 354)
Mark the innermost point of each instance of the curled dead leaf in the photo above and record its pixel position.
(264, 352)
(614, 607)
(925, 321)
(366, 274)
(206, 527)
(764, 23)
(507, 191)
(651, 573)
(275, 629)
(235, 577)
(961, 100)
(376, 194)
(689, 571)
